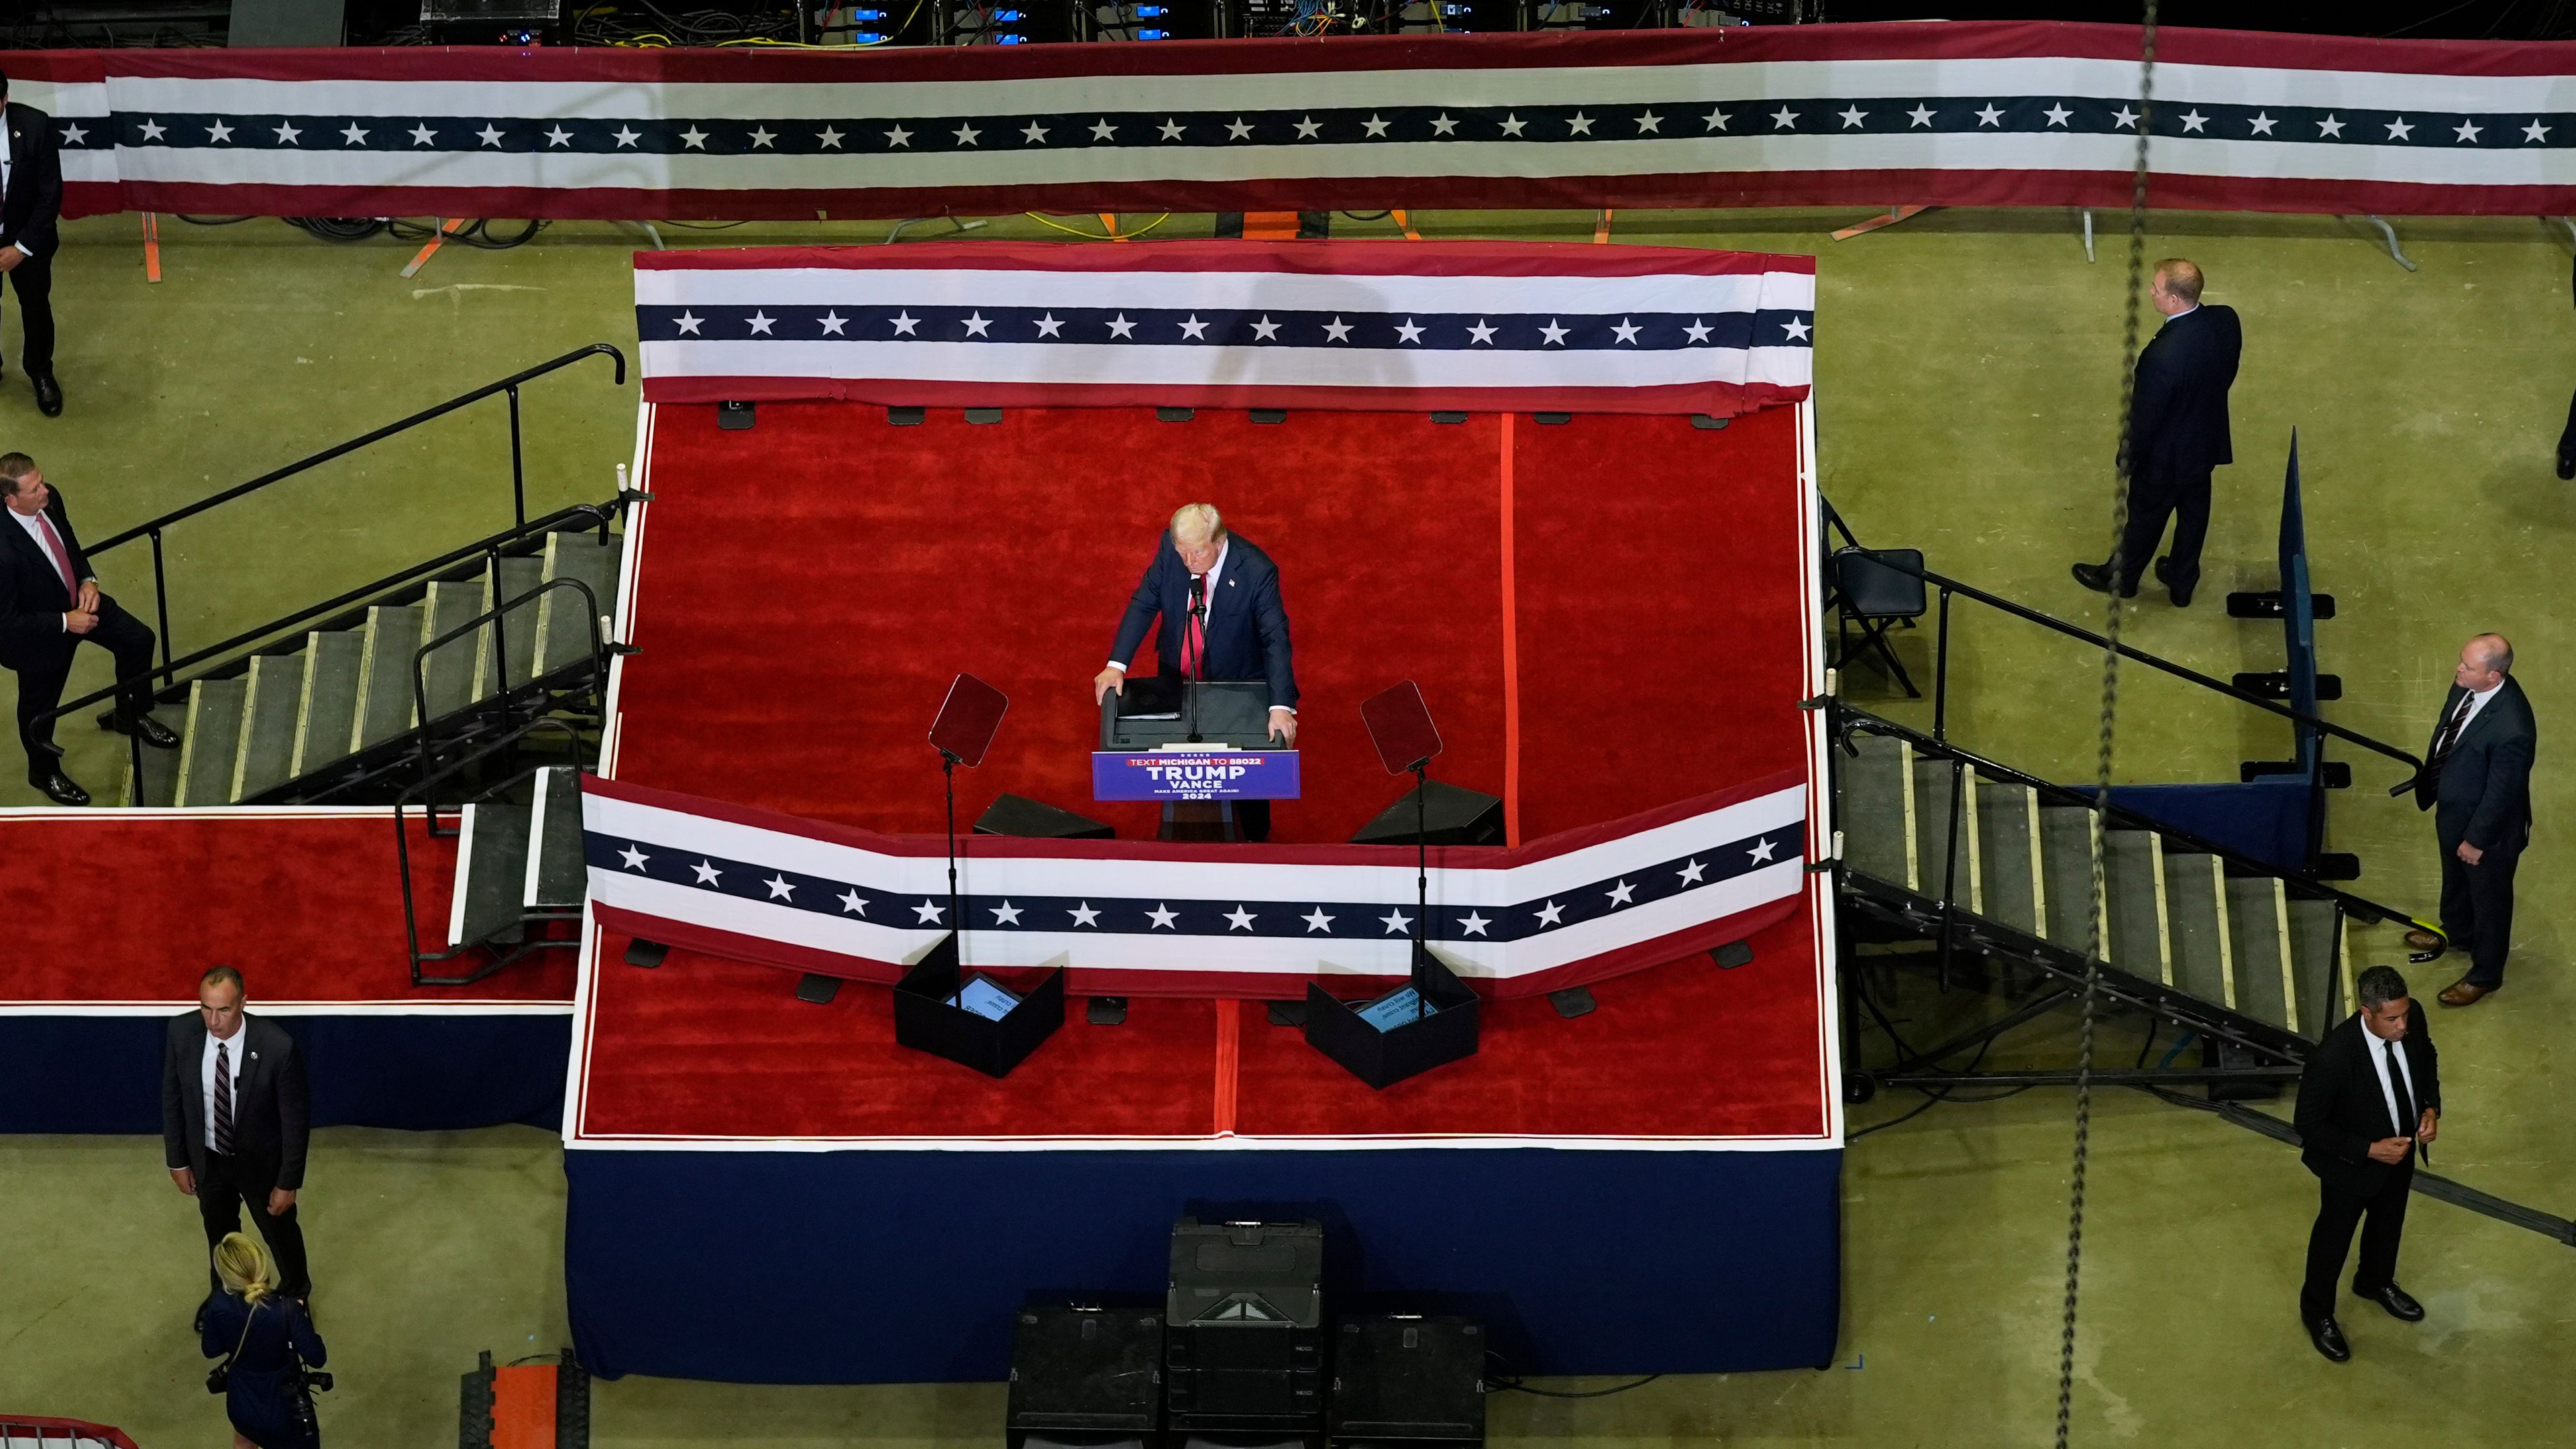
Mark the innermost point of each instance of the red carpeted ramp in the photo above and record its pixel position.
(1608, 613)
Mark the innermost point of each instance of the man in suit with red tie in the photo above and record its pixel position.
(49, 602)
(31, 202)
(234, 1117)
(1218, 598)
(2370, 1103)
(2477, 782)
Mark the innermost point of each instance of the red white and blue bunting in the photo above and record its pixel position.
(1958, 113)
(1155, 920)
(1477, 326)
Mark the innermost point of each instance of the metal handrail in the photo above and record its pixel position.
(153, 528)
(402, 840)
(1949, 586)
(601, 514)
(501, 653)
(2057, 794)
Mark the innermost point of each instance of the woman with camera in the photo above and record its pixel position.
(269, 1351)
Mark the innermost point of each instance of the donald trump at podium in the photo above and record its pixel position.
(1218, 598)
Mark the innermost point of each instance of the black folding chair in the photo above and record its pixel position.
(1877, 597)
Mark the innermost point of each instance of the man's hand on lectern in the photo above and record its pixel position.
(1112, 680)
(1283, 727)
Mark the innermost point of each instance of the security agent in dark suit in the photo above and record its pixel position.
(234, 1114)
(1242, 635)
(2370, 1103)
(2477, 782)
(49, 602)
(31, 203)
(2177, 434)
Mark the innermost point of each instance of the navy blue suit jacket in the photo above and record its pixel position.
(1247, 626)
(2178, 415)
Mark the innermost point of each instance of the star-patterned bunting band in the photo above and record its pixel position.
(1502, 915)
(2005, 113)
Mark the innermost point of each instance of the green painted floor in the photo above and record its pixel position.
(1967, 371)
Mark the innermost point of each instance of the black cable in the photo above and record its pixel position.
(1499, 1375)
(704, 225)
(211, 220)
(1369, 215)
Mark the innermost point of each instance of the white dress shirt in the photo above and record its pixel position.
(1214, 570)
(2379, 1046)
(38, 526)
(206, 1081)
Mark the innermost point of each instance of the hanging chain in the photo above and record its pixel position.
(2095, 925)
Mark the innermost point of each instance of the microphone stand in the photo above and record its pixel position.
(1198, 619)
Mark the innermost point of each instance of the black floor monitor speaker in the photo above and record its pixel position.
(1027, 819)
(1086, 1374)
(1452, 815)
(929, 1015)
(1243, 1337)
(1403, 1379)
(1382, 1053)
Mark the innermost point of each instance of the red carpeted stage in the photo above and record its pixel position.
(1608, 613)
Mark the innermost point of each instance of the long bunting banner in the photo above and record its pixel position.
(1473, 326)
(1256, 921)
(1955, 113)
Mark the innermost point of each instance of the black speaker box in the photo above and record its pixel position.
(1027, 819)
(1404, 1379)
(1086, 1374)
(1452, 815)
(1243, 1341)
(925, 1019)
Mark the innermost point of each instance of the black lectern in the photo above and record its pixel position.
(1431, 1019)
(938, 1008)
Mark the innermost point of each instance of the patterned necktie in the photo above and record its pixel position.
(1194, 640)
(62, 559)
(223, 1100)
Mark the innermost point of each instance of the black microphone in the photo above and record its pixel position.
(1198, 596)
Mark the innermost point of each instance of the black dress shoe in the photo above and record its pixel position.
(2181, 592)
(2398, 1302)
(2327, 1335)
(58, 787)
(147, 729)
(49, 395)
(2567, 463)
(2097, 577)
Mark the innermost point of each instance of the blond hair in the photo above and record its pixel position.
(242, 1263)
(1196, 524)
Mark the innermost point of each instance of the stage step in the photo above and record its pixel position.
(1873, 801)
(491, 872)
(558, 876)
(328, 707)
(518, 628)
(447, 673)
(2066, 867)
(2197, 910)
(2135, 886)
(1950, 866)
(2258, 916)
(384, 675)
(2008, 855)
(206, 746)
(563, 636)
(267, 752)
(160, 782)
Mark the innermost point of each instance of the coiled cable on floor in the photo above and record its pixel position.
(2094, 924)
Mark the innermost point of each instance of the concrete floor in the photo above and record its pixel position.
(1967, 371)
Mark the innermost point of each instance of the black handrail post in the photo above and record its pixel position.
(1941, 676)
(1950, 868)
(161, 602)
(500, 640)
(518, 474)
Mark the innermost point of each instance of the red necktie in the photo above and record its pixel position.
(62, 559)
(1194, 643)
